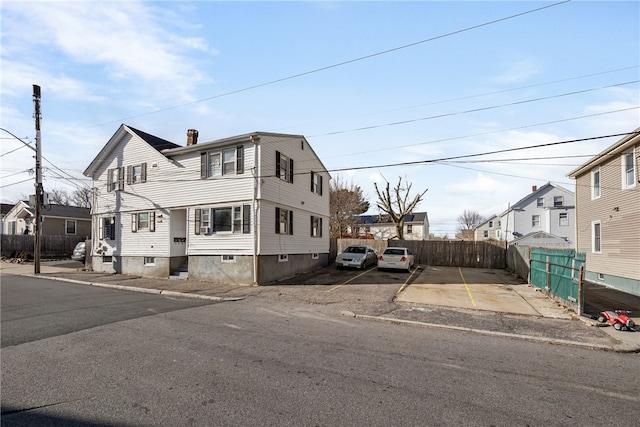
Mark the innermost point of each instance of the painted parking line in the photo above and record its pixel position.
(406, 282)
(353, 278)
(467, 287)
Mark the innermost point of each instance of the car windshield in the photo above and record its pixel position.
(394, 251)
(355, 250)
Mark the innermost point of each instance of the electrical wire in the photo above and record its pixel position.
(339, 64)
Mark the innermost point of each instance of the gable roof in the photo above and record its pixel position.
(63, 211)
(621, 145)
(5, 208)
(534, 195)
(384, 219)
(156, 143)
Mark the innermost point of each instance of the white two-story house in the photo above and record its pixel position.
(548, 210)
(489, 229)
(608, 214)
(380, 227)
(249, 209)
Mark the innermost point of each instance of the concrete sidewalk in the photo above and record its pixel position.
(479, 302)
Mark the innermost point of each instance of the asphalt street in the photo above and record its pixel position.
(278, 362)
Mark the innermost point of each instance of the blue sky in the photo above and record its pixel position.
(378, 84)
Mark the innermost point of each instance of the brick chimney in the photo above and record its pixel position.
(534, 188)
(192, 137)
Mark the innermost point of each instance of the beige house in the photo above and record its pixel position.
(489, 229)
(608, 214)
(57, 220)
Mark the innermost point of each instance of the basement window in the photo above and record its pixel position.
(149, 260)
(228, 259)
(283, 258)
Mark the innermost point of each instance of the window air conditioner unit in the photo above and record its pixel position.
(205, 230)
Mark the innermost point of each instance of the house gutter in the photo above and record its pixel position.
(256, 158)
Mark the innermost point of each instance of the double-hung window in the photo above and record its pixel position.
(558, 201)
(284, 167)
(316, 226)
(228, 161)
(316, 183)
(115, 179)
(595, 184)
(137, 173)
(535, 220)
(563, 219)
(628, 170)
(143, 221)
(540, 202)
(224, 219)
(107, 228)
(70, 226)
(596, 237)
(284, 221)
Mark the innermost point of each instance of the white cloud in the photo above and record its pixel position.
(518, 72)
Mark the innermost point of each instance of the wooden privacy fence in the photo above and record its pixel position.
(451, 253)
(51, 246)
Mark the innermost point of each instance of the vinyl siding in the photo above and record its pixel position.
(620, 228)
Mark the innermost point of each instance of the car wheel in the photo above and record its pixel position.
(601, 319)
(617, 326)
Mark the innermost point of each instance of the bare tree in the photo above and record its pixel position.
(397, 204)
(58, 197)
(345, 201)
(467, 222)
(81, 197)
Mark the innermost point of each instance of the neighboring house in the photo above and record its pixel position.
(550, 208)
(248, 209)
(5, 208)
(57, 220)
(608, 214)
(380, 227)
(489, 229)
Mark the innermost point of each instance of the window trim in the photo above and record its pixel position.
(596, 249)
(631, 154)
(239, 225)
(316, 226)
(288, 224)
(284, 167)
(66, 227)
(540, 202)
(566, 217)
(115, 179)
(149, 261)
(103, 228)
(283, 258)
(316, 183)
(135, 222)
(228, 259)
(533, 221)
(236, 163)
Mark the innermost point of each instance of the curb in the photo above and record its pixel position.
(481, 331)
(134, 289)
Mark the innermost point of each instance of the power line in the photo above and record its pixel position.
(339, 64)
(473, 110)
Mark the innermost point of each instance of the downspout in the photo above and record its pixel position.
(255, 139)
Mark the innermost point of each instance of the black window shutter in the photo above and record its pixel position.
(313, 176)
(246, 219)
(291, 171)
(320, 185)
(121, 179)
(143, 172)
(311, 228)
(129, 174)
(290, 222)
(203, 165)
(277, 164)
(152, 221)
(197, 222)
(319, 227)
(109, 179)
(277, 220)
(240, 159)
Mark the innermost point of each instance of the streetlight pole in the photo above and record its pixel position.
(38, 224)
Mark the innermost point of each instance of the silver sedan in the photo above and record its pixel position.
(359, 256)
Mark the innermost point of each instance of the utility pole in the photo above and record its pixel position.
(39, 196)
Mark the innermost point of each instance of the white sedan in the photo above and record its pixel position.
(397, 258)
